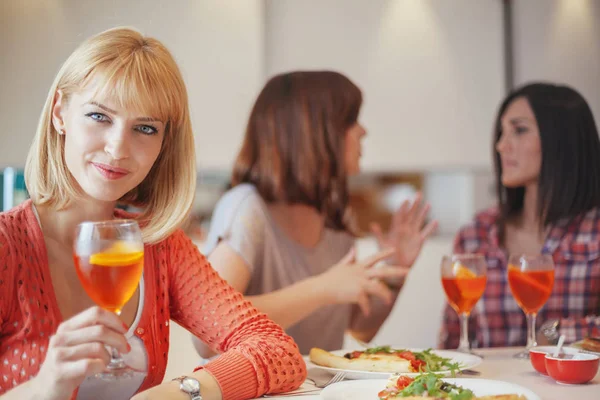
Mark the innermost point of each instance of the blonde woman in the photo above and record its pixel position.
(116, 129)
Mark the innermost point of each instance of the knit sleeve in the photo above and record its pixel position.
(258, 357)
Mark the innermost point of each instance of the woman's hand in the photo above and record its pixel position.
(77, 351)
(353, 282)
(406, 234)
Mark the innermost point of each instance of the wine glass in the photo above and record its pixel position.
(109, 259)
(464, 277)
(531, 279)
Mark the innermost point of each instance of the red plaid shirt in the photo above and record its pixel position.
(497, 320)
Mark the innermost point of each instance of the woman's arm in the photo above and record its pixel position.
(252, 345)
(209, 389)
(285, 306)
(348, 282)
(365, 327)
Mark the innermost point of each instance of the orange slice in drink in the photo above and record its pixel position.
(526, 279)
(119, 254)
(462, 272)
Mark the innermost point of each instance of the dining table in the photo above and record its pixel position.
(498, 364)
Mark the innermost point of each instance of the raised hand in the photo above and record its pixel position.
(353, 282)
(407, 233)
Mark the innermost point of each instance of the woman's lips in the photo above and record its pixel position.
(110, 172)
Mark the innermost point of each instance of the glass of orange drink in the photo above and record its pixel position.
(531, 279)
(109, 260)
(464, 277)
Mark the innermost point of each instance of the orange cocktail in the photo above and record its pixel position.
(464, 277)
(531, 289)
(464, 293)
(111, 277)
(109, 260)
(531, 279)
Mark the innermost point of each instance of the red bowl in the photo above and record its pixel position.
(580, 369)
(537, 356)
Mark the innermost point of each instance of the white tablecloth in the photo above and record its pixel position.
(498, 364)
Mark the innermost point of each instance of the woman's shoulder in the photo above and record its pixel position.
(584, 228)
(15, 222)
(240, 201)
(483, 219)
(241, 194)
(480, 228)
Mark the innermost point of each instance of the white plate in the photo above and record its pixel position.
(368, 389)
(467, 361)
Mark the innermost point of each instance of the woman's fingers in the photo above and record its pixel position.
(93, 316)
(376, 288)
(95, 351)
(388, 272)
(429, 229)
(375, 258)
(90, 334)
(84, 367)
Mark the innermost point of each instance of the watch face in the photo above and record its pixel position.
(190, 385)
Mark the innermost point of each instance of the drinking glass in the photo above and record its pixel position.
(109, 260)
(464, 277)
(531, 279)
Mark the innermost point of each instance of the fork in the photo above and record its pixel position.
(338, 377)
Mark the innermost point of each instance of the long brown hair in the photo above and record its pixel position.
(293, 150)
(569, 181)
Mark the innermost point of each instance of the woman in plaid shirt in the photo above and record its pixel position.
(547, 163)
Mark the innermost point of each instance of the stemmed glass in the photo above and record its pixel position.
(464, 277)
(531, 279)
(109, 260)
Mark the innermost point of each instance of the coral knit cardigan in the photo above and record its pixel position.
(179, 285)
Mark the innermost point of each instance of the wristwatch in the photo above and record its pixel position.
(190, 386)
(550, 330)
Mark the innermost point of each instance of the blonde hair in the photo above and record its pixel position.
(139, 73)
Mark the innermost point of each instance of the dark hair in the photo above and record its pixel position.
(569, 181)
(293, 150)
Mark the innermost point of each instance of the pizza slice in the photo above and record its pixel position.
(360, 361)
(384, 359)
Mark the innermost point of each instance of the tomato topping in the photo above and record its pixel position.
(403, 382)
(418, 365)
(407, 355)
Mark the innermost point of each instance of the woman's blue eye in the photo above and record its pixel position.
(98, 117)
(147, 130)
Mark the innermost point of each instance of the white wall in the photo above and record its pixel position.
(559, 40)
(219, 45)
(431, 71)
